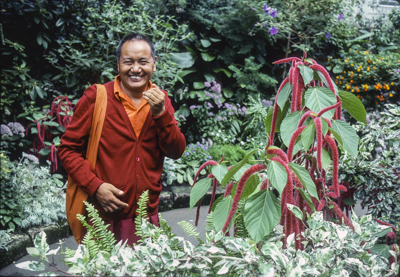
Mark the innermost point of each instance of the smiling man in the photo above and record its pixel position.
(139, 131)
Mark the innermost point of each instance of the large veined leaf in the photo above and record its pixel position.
(348, 135)
(308, 135)
(319, 98)
(277, 175)
(307, 73)
(221, 212)
(322, 77)
(250, 186)
(262, 213)
(241, 171)
(326, 159)
(199, 190)
(304, 178)
(353, 106)
(296, 211)
(307, 197)
(381, 250)
(219, 171)
(289, 126)
(205, 42)
(235, 168)
(184, 60)
(336, 136)
(284, 95)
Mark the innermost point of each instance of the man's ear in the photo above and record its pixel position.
(154, 65)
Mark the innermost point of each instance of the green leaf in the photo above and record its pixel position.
(228, 93)
(199, 85)
(184, 59)
(59, 22)
(221, 212)
(364, 36)
(31, 265)
(33, 251)
(50, 123)
(240, 172)
(214, 39)
(262, 213)
(326, 159)
(307, 73)
(199, 190)
(321, 76)
(381, 250)
(44, 151)
(306, 196)
(284, 95)
(305, 179)
(336, 136)
(277, 175)
(57, 141)
(319, 98)
(17, 221)
(207, 57)
(289, 126)
(250, 186)
(296, 211)
(337, 69)
(219, 171)
(349, 201)
(235, 168)
(308, 135)
(353, 106)
(33, 93)
(205, 42)
(348, 135)
(227, 72)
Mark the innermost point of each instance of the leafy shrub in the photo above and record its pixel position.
(372, 77)
(374, 172)
(330, 250)
(30, 194)
(11, 135)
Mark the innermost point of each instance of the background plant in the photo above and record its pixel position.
(374, 172)
(372, 77)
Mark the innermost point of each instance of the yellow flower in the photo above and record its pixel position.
(358, 70)
(368, 68)
(365, 52)
(352, 90)
(346, 61)
(391, 95)
(351, 64)
(344, 71)
(360, 66)
(369, 61)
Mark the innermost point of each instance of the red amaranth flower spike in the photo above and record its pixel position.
(293, 142)
(321, 112)
(341, 215)
(325, 73)
(385, 223)
(279, 152)
(335, 165)
(304, 117)
(229, 188)
(300, 95)
(287, 60)
(239, 190)
(211, 162)
(321, 205)
(215, 181)
(318, 127)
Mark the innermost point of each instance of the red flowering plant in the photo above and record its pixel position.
(304, 130)
(48, 126)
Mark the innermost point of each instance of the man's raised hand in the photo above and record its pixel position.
(156, 98)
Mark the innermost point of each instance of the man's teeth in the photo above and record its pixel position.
(135, 77)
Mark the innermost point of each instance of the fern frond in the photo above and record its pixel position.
(190, 230)
(142, 214)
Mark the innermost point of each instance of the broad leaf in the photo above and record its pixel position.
(277, 175)
(221, 212)
(284, 95)
(219, 171)
(296, 211)
(319, 98)
(262, 213)
(322, 77)
(305, 179)
(336, 136)
(250, 186)
(207, 57)
(307, 73)
(205, 42)
(353, 106)
(184, 59)
(198, 85)
(31, 265)
(308, 135)
(348, 135)
(235, 168)
(199, 190)
(241, 171)
(306, 196)
(326, 159)
(289, 126)
(381, 250)
(227, 72)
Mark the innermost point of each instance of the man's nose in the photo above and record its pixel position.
(136, 67)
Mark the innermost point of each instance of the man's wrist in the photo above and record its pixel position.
(160, 113)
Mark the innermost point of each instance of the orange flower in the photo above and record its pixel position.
(358, 69)
(369, 61)
(368, 68)
(351, 81)
(351, 76)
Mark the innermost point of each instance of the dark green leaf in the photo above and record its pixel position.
(353, 106)
(199, 190)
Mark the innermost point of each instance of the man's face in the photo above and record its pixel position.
(135, 66)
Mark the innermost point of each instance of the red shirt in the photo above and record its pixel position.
(130, 163)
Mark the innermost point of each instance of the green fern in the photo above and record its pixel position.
(98, 237)
(190, 230)
(142, 214)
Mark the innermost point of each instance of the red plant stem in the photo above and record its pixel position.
(198, 212)
(287, 60)
(279, 152)
(215, 181)
(239, 190)
(321, 112)
(293, 142)
(318, 127)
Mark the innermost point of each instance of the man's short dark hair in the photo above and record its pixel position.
(136, 36)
